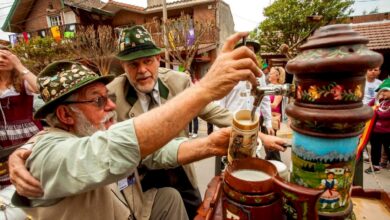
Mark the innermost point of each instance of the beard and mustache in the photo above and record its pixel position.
(86, 128)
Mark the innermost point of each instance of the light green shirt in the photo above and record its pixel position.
(67, 165)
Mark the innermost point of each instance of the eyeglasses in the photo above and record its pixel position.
(100, 101)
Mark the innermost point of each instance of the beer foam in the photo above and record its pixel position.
(251, 175)
(245, 122)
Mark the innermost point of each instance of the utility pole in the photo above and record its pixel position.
(165, 16)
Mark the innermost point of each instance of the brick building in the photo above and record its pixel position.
(29, 18)
(35, 17)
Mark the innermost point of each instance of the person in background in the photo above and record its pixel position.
(372, 84)
(17, 86)
(380, 134)
(193, 127)
(266, 68)
(240, 97)
(276, 76)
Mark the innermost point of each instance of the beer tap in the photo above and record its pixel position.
(260, 91)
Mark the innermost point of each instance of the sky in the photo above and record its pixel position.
(247, 14)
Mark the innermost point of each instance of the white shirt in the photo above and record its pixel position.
(11, 91)
(240, 98)
(369, 90)
(145, 99)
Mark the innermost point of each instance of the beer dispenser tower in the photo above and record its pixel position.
(327, 116)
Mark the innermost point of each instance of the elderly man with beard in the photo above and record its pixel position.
(79, 159)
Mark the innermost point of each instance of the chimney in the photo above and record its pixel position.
(152, 3)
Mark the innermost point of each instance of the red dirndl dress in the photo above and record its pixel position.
(16, 126)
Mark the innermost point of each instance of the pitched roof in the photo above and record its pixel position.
(177, 5)
(21, 9)
(114, 6)
(83, 4)
(378, 34)
(170, 3)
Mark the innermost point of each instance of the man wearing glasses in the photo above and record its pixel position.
(83, 154)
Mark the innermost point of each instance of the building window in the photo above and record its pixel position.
(55, 20)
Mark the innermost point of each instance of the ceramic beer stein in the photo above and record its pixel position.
(243, 139)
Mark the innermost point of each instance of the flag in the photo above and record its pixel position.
(25, 36)
(365, 137)
(55, 32)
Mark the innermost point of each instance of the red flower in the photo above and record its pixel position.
(337, 92)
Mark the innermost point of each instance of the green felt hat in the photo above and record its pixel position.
(254, 43)
(136, 42)
(60, 79)
(385, 85)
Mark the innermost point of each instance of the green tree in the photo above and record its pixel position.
(38, 52)
(291, 21)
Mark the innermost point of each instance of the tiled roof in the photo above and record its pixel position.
(84, 4)
(169, 3)
(125, 5)
(152, 8)
(378, 34)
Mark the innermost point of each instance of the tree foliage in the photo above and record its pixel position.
(287, 21)
(38, 52)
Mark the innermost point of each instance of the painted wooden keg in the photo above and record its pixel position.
(328, 116)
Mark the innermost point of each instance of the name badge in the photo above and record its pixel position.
(124, 183)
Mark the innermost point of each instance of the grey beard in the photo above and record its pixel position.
(85, 128)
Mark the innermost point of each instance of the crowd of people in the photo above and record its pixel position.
(131, 158)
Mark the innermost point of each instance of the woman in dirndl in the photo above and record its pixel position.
(17, 85)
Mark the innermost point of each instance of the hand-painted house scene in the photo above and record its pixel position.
(195, 109)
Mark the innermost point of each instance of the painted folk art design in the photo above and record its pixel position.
(329, 127)
(339, 52)
(325, 164)
(332, 91)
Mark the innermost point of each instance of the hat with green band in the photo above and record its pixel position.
(136, 42)
(61, 79)
(254, 43)
(384, 86)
